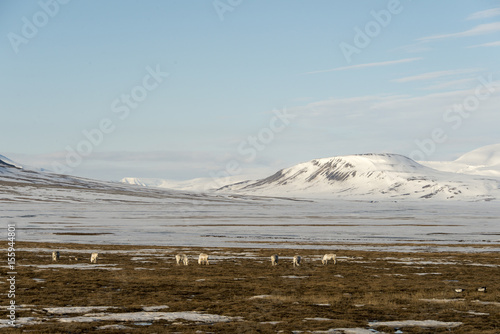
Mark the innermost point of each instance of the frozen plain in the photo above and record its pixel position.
(49, 207)
(261, 223)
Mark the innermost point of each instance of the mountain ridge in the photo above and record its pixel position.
(369, 175)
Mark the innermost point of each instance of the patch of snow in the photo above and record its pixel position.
(270, 322)
(154, 308)
(151, 316)
(75, 309)
(317, 319)
(260, 297)
(477, 313)
(433, 300)
(81, 266)
(20, 322)
(115, 327)
(486, 303)
(348, 331)
(423, 274)
(415, 323)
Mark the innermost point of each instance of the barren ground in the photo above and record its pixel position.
(364, 287)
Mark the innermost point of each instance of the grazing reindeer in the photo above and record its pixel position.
(93, 257)
(328, 257)
(182, 258)
(274, 260)
(203, 258)
(296, 260)
(55, 256)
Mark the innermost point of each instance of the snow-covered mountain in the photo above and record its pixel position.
(199, 184)
(366, 176)
(482, 161)
(18, 184)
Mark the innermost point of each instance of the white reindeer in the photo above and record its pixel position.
(203, 258)
(274, 260)
(93, 257)
(55, 256)
(296, 260)
(182, 258)
(328, 257)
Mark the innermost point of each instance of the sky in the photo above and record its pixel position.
(200, 89)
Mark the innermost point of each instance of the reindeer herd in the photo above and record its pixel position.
(203, 259)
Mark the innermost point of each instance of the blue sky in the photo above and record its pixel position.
(186, 89)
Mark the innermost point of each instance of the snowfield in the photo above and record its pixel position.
(60, 208)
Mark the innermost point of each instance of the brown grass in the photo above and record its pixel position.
(362, 287)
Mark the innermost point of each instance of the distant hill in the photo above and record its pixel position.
(482, 161)
(376, 176)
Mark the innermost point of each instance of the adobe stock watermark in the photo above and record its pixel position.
(121, 107)
(11, 274)
(454, 117)
(249, 148)
(31, 26)
(363, 37)
(223, 6)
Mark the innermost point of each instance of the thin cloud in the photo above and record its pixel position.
(460, 84)
(485, 45)
(481, 29)
(383, 63)
(436, 74)
(484, 14)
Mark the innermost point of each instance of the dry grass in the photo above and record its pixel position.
(362, 287)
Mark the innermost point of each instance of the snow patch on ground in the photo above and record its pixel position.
(348, 331)
(415, 323)
(433, 300)
(20, 322)
(114, 327)
(260, 297)
(154, 308)
(75, 309)
(151, 316)
(75, 266)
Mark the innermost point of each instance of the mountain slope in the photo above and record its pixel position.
(199, 184)
(23, 185)
(5, 162)
(369, 176)
(482, 161)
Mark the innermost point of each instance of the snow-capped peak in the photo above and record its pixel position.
(368, 175)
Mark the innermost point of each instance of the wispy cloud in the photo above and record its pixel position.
(484, 14)
(383, 63)
(481, 29)
(455, 84)
(497, 43)
(436, 74)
